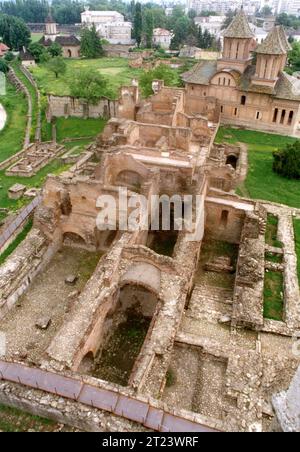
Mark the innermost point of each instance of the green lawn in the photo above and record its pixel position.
(78, 127)
(35, 37)
(12, 136)
(297, 243)
(272, 231)
(262, 182)
(273, 296)
(11, 248)
(116, 70)
(37, 181)
(16, 66)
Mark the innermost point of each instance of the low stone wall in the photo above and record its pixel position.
(12, 77)
(29, 76)
(65, 106)
(22, 267)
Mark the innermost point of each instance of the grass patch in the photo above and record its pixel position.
(55, 167)
(12, 136)
(20, 237)
(261, 181)
(116, 71)
(16, 67)
(78, 128)
(271, 231)
(275, 258)
(297, 244)
(170, 378)
(14, 420)
(46, 128)
(273, 296)
(35, 37)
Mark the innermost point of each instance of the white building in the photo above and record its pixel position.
(223, 6)
(162, 38)
(292, 7)
(110, 25)
(213, 24)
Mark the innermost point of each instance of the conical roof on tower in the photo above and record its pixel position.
(239, 27)
(275, 43)
(49, 19)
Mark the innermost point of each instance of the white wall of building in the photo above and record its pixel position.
(110, 25)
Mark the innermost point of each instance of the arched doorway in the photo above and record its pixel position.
(73, 239)
(69, 51)
(232, 160)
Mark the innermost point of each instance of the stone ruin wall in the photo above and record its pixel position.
(65, 106)
(19, 270)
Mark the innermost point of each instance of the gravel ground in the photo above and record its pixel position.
(46, 297)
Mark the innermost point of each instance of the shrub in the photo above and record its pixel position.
(287, 161)
(3, 66)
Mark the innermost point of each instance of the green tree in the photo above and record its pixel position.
(57, 65)
(148, 28)
(159, 17)
(192, 14)
(55, 49)
(287, 161)
(228, 19)
(181, 31)
(36, 49)
(294, 57)
(162, 72)
(14, 32)
(3, 66)
(138, 24)
(266, 11)
(91, 46)
(9, 56)
(90, 86)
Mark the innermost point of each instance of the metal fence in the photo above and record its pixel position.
(19, 220)
(112, 401)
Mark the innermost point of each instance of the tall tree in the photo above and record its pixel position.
(148, 27)
(14, 32)
(138, 24)
(162, 72)
(55, 49)
(57, 65)
(90, 46)
(181, 31)
(90, 86)
(36, 49)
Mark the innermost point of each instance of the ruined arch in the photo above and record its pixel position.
(73, 238)
(232, 160)
(129, 178)
(143, 274)
(87, 362)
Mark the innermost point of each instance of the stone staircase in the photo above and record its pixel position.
(210, 303)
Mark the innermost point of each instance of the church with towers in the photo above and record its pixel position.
(70, 44)
(248, 84)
